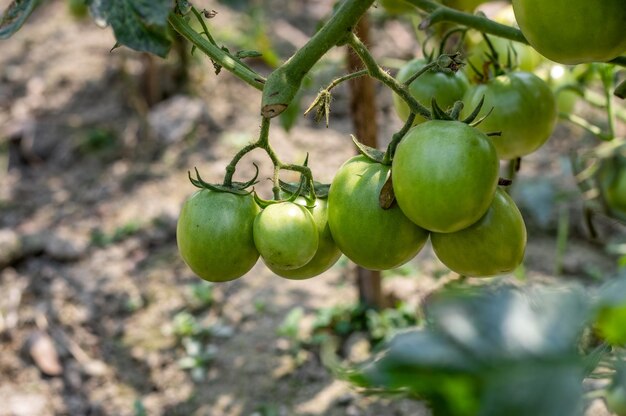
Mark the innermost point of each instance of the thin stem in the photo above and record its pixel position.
(440, 13)
(275, 181)
(396, 138)
(607, 83)
(581, 122)
(204, 26)
(375, 71)
(218, 55)
(283, 84)
(262, 141)
(420, 73)
(346, 77)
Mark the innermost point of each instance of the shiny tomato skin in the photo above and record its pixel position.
(445, 174)
(492, 246)
(214, 234)
(285, 235)
(446, 88)
(370, 236)
(327, 252)
(573, 31)
(521, 106)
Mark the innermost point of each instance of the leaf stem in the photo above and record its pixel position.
(283, 84)
(375, 71)
(221, 57)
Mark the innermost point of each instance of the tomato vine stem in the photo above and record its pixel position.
(283, 84)
(218, 55)
(263, 142)
(376, 72)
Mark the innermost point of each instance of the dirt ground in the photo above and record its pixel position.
(91, 181)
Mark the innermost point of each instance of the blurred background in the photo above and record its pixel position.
(98, 313)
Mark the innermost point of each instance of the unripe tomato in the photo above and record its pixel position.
(327, 252)
(214, 234)
(446, 88)
(573, 31)
(370, 236)
(494, 245)
(285, 235)
(445, 174)
(524, 111)
(396, 6)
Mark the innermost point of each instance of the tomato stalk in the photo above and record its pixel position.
(375, 71)
(607, 74)
(283, 84)
(322, 101)
(218, 55)
(263, 142)
(396, 138)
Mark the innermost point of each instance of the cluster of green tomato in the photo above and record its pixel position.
(445, 179)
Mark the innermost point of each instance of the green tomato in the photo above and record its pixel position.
(445, 174)
(286, 236)
(524, 111)
(214, 235)
(396, 6)
(370, 236)
(327, 252)
(573, 31)
(445, 88)
(494, 245)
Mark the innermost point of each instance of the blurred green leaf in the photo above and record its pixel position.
(611, 311)
(15, 15)
(138, 24)
(491, 351)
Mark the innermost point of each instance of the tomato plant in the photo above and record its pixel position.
(524, 111)
(214, 234)
(446, 88)
(327, 252)
(286, 235)
(573, 31)
(370, 236)
(445, 174)
(494, 245)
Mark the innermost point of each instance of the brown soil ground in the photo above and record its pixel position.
(91, 181)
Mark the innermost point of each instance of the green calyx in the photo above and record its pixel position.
(237, 188)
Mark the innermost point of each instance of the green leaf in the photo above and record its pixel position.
(491, 351)
(15, 15)
(138, 24)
